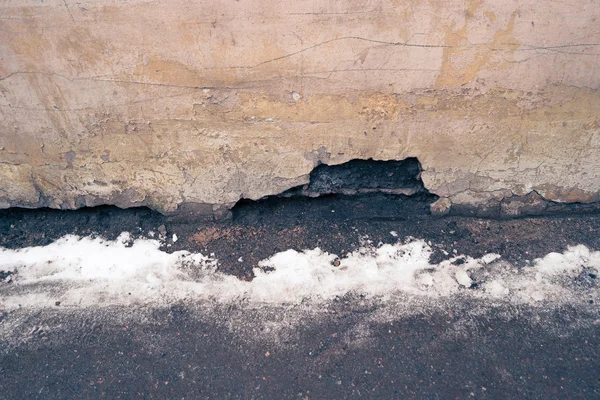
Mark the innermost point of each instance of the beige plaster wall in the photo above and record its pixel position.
(172, 102)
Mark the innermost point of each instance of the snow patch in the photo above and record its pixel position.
(81, 272)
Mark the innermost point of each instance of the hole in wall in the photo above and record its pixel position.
(353, 190)
(365, 176)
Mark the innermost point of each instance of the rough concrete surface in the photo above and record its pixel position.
(190, 105)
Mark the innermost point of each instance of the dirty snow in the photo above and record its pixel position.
(94, 272)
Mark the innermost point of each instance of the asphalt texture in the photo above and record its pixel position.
(451, 350)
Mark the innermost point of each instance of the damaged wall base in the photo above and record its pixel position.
(401, 181)
(188, 107)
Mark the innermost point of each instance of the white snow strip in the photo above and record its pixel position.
(87, 271)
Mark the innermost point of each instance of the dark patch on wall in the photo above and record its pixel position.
(388, 187)
(361, 176)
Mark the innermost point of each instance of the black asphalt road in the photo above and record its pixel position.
(462, 349)
(176, 353)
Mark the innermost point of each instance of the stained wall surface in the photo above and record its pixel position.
(174, 103)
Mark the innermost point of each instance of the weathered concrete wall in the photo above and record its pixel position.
(171, 102)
